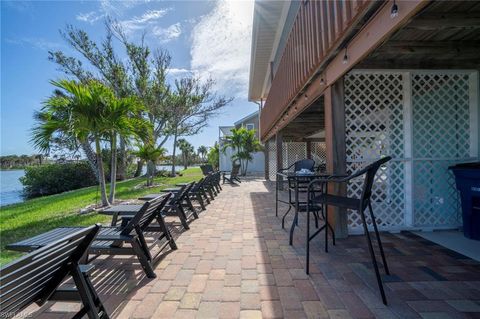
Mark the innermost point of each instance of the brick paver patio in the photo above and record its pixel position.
(235, 262)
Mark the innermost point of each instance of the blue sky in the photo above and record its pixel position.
(209, 38)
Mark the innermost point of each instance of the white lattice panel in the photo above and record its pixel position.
(293, 152)
(441, 129)
(319, 152)
(374, 125)
(435, 201)
(272, 159)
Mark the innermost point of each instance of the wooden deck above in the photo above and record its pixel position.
(424, 35)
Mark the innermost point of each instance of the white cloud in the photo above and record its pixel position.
(117, 9)
(150, 15)
(141, 22)
(179, 71)
(221, 43)
(167, 34)
(90, 17)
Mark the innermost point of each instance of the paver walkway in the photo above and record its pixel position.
(235, 262)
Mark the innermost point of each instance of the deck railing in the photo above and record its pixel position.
(318, 30)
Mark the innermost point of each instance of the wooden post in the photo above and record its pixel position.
(279, 144)
(336, 152)
(309, 149)
(266, 154)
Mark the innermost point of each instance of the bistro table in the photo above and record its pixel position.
(121, 210)
(39, 241)
(297, 184)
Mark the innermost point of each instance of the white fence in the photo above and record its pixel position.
(256, 166)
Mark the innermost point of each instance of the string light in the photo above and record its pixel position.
(345, 57)
(322, 81)
(394, 12)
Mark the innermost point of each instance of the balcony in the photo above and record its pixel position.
(319, 31)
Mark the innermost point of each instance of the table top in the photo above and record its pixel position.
(171, 189)
(39, 241)
(295, 175)
(150, 196)
(122, 209)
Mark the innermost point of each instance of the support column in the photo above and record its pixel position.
(336, 152)
(267, 159)
(309, 149)
(279, 144)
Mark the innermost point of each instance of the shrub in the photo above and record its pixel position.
(56, 178)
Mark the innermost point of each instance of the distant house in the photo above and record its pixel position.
(250, 122)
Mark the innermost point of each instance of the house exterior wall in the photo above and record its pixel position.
(252, 120)
(257, 165)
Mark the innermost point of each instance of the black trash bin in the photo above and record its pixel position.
(467, 177)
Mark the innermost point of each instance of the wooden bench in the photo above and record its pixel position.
(37, 276)
(111, 240)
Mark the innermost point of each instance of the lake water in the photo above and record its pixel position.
(10, 187)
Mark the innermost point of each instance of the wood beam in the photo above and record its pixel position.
(419, 63)
(372, 35)
(445, 21)
(336, 151)
(435, 49)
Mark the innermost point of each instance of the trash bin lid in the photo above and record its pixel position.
(474, 165)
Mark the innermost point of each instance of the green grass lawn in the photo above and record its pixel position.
(36, 216)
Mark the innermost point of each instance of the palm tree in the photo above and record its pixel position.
(82, 113)
(202, 152)
(244, 143)
(150, 153)
(187, 150)
(122, 119)
(213, 155)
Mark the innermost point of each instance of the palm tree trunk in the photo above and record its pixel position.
(173, 153)
(122, 160)
(150, 172)
(101, 173)
(139, 170)
(113, 168)
(91, 158)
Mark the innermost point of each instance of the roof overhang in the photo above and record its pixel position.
(268, 22)
(249, 116)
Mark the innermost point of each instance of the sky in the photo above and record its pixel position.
(208, 38)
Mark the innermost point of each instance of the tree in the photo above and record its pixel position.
(121, 118)
(150, 153)
(243, 143)
(86, 113)
(202, 152)
(213, 156)
(191, 104)
(109, 67)
(187, 151)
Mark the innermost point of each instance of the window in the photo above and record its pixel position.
(250, 126)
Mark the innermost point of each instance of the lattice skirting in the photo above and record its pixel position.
(426, 121)
(292, 152)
